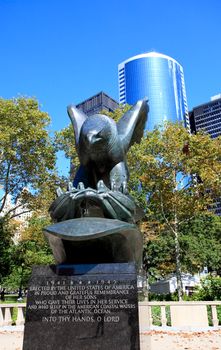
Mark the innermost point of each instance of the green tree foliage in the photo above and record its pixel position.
(165, 171)
(32, 249)
(27, 154)
(5, 247)
(33, 232)
(200, 241)
(210, 289)
(117, 114)
(200, 246)
(28, 179)
(24, 255)
(65, 142)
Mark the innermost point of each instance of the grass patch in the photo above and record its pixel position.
(12, 298)
(14, 315)
(156, 315)
(209, 313)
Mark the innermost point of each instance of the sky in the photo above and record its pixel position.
(65, 51)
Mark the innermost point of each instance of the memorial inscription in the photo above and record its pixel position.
(101, 305)
(74, 298)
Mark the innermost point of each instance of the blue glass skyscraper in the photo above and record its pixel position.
(159, 78)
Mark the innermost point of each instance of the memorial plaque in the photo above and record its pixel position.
(82, 307)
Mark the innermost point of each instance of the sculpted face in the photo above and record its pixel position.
(97, 133)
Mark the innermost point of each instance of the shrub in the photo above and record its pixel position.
(210, 289)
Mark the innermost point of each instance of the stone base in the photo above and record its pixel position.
(82, 307)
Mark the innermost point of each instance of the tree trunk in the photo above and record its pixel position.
(177, 244)
(178, 267)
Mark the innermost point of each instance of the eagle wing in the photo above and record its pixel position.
(131, 126)
(77, 119)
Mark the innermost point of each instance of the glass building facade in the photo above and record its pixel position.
(160, 79)
(207, 117)
(98, 103)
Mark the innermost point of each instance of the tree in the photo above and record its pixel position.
(201, 239)
(24, 255)
(6, 243)
(27, 154)
(33, 232)
(209, 289)
(27, 178)
(165, 171)
(200, 245)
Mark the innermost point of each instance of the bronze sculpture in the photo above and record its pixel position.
(100, 191)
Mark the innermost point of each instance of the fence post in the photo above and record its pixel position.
(1, 316)
(150, 316)
(163, 315)
(20, 317)
(8, 316)
(144, 316)
(214, 316)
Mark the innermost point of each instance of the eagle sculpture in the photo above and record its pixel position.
(102, 145)
(102, 177)
(95, 218)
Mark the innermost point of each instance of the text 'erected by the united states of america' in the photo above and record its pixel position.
(77, 301)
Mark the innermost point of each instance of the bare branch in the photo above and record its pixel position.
(23, 212)
(186, 220)
(14, 208)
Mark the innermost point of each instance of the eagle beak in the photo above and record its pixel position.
(93, 138)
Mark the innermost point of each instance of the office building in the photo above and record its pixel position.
(160, 79)
(207, 117)
(98, 103)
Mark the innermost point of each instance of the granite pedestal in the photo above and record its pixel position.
(82, 307)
